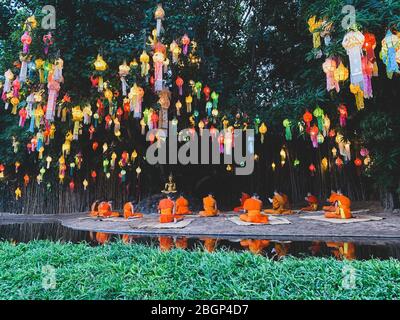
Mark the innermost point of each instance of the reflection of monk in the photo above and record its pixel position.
(253, 207)
(209, 244)
(182, 206)
(281, 249)
(129, 211)
(181, 243)
(127, 239)
(166, 243)
(343, 250)
(244, 197)
(312, 203)
(166, 208)
(280, 204)
(102, 238)
(255, 246)
(342, 208)
(105, 210)
(315, 247)
(210, 207)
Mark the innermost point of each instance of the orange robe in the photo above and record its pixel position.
(181, 243)
(282, 249)
(343, 250)
(129, 211)
(102, 237)
(166, 243)
(182, 206)
(105, 210)
(210, 206)
(253, 208)
(312, 204)
(332, 199)
(166, 207)
(280, 205)
(245, 196)
(255, 246)
(209, 244)
(342, 209)
(94, 212)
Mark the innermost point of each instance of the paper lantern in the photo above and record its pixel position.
(341, 73)
(189, 101)
(175, 51)
(273, 166)
(26, 180)
(319, 114)
(124, 70)
(314, 136)
(390, 44)
(179, 82)
(2, 169)
(158, 59)
(263, 130)
(288, 131)
(159, 15)
(185, 42)
(100, 64)
(85, 184)
(358, 162)
(364, 152)
(324, 164)
(26, 40)
(339, 163)
(145, 66)
(329, 67)
(215, 99)
(353, 42)
(93, 174)
(342, 115)
(307, 117)
(312, 169)
(138, 171)
(178, 106)
(48, 41)
(18, 193)
(359, 96)
(313, 25)
(207, 92)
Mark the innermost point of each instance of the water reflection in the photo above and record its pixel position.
(272, 249)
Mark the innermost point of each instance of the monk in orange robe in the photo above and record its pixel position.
(166, 208)
(255, 246)
(209, 244)
(129, 211)
(332, 201)
(243, 199)
(102, 237)
(210, 207)
(312, 203)
(94, 209)
(280, 204)
(105, 210)
(166, 243)
(181, 243)
(253, 207)
(182, 206)
(343, 250)
(342, 208)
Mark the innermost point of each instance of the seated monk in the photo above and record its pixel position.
(280, 204)
(331, 200)
(255, 246)
(105, 210)
(253, 207)
(166, 208)
(312, 203)
(210, 207)
(182, 206)
(243, 199)
(342, 208)
(129, 211)
(94, 209)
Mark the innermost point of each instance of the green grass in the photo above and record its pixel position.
(118, 271)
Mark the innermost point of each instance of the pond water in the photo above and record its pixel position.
(26, 232)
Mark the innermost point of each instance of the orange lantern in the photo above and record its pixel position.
(307, 117)
(207, 92)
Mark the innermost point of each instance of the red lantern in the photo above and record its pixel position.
(358, 162)
(179, 82)
(72, 185)
(152, 81)
(2, 168)
(314, 135)
(332, 133)
(95, 145)
(94, 175)
(307, 117)
(312, 169)
(26, 180)
(369, 46)
(343, 115)
(91, 132)
(339, 163)
(94, 81)
(207, 92)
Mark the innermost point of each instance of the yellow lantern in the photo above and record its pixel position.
(77, 116)
(85, 184)
(159, 15)
(145, 59)
(263, 130)
(324, 164)
(18, 193)
(134, 155)
(134, 64)
(178, 106)
(341, 73)
(100, 64)
(273, 166)
(14, 101)
(189, 101)
(39, 63)
(334, 152)
(108, 95)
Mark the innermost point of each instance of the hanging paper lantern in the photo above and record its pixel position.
(358, 162)
(18, 193)
(189, 101)
(288, 131)
(307, 117)
(314, 136)
(72, 185)
(138, 171)
(2, 169)
(334, 152)
(296, 162)
(341, 73)
(179, 82)
(93, 174)
(175, 51)
(364, 152)
(124, 70)
(185, 42)
(319, 114)
(390, 44)
(320, 138)
(353, 42)
(342, 115)
(359, 96)
(178, 106)
(329, 67)
(215, 99)
(26, 180)
(145, 66)
(159, 15)
(273, 166)
(158, 59)
(324, 164)
(100, 65)
(339, 162)
(368, 69)
(332, 133)
(327, 125)
(26, 40)
(369, 46)
(207, 92)
(263, 130)
(313, 26)
(48, 41)
(312, 169)
(85, 184)
(77, 117)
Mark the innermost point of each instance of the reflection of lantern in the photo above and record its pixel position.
(178, 106)
(324, 164)
(343, 115)
(358, 162)
(263, 130)
(314, 136)
(312, 169)
(207, 92)
(339, 162)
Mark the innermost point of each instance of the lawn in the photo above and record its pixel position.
(119, 271)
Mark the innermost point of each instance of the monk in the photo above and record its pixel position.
(331, 200)
(210, 207)
(280, 204)
(94, 209)
(243, 199)
(312, 203)
(129, 211)
(105, 210)
(255, 246)
(209, 244)
(342, 208)
(253, 207)
(182, 206)
(102, 238)
(166, 208)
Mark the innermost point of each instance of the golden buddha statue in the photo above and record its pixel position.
(170, 186)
